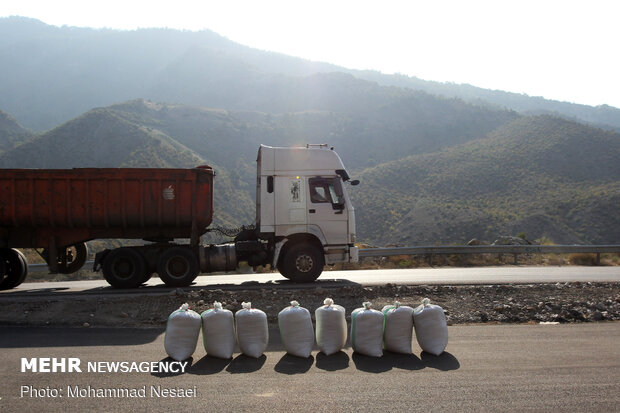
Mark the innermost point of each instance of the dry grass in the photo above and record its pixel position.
(476, 260)
(582, 259)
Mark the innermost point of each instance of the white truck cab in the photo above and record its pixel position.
(302, 203)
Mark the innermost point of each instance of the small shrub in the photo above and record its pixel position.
(544, 240)
(395, 260)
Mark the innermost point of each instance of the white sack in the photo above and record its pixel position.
(296, 330)
(218, 331)
(431, 327)
(182, 332)
(398, 328)
(367, 331)
(331, 327)
(252, 330)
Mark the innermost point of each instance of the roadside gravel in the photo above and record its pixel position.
(506, 303)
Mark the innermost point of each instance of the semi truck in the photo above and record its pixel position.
(304, 219)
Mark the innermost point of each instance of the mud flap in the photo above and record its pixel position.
(276, 253)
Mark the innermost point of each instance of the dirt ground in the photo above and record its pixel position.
(518, 303)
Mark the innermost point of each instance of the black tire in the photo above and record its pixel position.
(79, 253)
(13, 268)
(301, 263)
(70, 259)
(178, 267)
(124, 268)
(25, 264)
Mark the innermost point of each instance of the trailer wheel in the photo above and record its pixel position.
(124, 268)
(25, 267)
(13, 268)
(302, 263)
(72, 258)
(178, 267)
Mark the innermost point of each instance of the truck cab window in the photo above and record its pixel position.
(325, 190)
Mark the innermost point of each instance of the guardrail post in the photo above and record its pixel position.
(598, 258)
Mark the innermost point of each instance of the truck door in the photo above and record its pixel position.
(326, 209)
(290, 201)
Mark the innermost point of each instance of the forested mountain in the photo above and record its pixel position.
(542, 175)
(56, 74)
(603, 116)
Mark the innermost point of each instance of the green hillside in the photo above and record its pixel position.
(100, 138)
(11, 132)
(603, 116)
(543, 176)
(387, 128)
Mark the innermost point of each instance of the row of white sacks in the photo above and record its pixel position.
(372, 331)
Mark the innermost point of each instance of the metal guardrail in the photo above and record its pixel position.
(488, 249)
(491, 249)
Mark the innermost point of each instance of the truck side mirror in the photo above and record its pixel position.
(355, 182)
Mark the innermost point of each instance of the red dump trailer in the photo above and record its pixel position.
(57, 211)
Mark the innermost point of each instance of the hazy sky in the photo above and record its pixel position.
(560, 49)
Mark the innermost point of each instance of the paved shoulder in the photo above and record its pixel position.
(489, 367)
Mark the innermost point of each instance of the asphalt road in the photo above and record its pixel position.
(487, 368)
(473, 275)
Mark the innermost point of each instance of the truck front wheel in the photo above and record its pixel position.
(178, 267)
(301, 263)
(124, 268)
